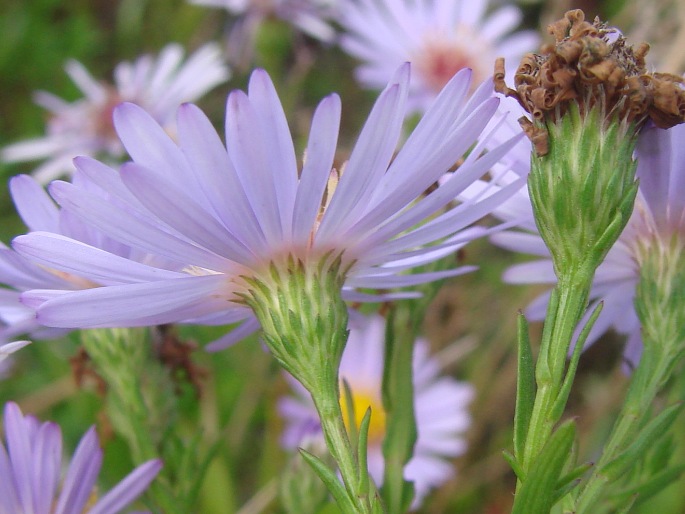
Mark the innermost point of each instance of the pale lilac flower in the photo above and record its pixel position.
(659, 212)
(441, 405)
(439, 38)
(233, 213)
(31, 469)
(84, 127)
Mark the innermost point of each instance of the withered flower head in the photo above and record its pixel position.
(591, 65)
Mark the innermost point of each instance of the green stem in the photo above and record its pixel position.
(659, 305)
(398, 403)
(572, 290)
(121, 358)
(644, 387)
(339, 446)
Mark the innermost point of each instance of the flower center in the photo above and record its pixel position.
(361, 401)
(102, 118)
(440, 58)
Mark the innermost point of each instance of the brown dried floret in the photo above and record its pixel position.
(536, 134)
(593, 66)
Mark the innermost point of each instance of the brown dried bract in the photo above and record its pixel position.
(593, 66)
(176, 356)
(84, 372)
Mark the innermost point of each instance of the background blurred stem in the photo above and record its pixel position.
(141, 403)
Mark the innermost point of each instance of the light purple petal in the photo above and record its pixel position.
(196, 224)
(280, 153)
(112, 306)
(128, 489)
(70, 256)
(246, 328)
(33, 204)
(217, 176)
(247, 148)
(321, 147)
(82, 475)
(369, 159)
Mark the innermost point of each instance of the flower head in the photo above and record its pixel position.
(438, 37)
(588, 95)
(241, 211)
(441, 405)
(31, 465)
(592, 67)
(658, 219)
(84, 127)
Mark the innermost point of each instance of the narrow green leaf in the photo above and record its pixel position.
(647, 437)
(543, 370)
(362, 448)
(574, 474)
(525, 389)
(351, 414)
(560, 402)
(653, 485)
(330, 479)
(538, 492)
(518, 471)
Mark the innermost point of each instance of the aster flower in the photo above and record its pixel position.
(257, 234)
(441, 408)
(31, 465)
(439, 38)
(84, 127)
(248, 208)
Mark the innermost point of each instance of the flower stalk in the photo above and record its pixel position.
(140, 401)
(588, 96)
(661, 308)
(304, 324)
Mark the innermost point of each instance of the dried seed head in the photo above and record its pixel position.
(593, 66)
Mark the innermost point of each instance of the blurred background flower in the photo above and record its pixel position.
(31, 469)
(439, 38)
(84, 127)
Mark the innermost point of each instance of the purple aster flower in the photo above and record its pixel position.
(441, 405)
(84, 127)
(439, 38)
(658, 216)
(232, 213)
(31, 465)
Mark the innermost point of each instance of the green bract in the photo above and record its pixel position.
(583, 190)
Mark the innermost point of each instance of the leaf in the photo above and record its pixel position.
(525, 389)
(647, 437)
(562, 397)
(330, 479)
(362, 448)
(537, 494)
(514, 465)
(653, 485)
